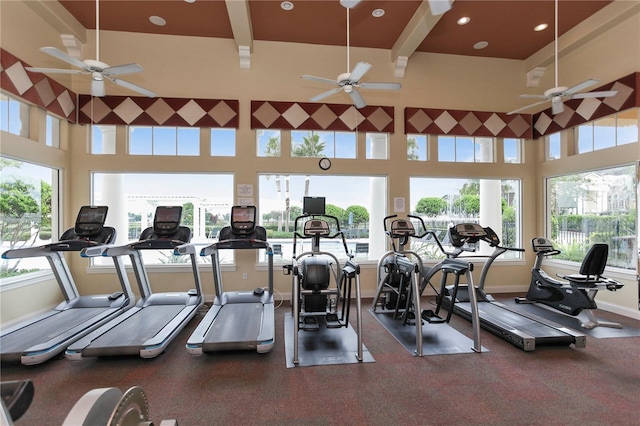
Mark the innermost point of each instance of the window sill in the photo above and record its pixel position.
(25, 280)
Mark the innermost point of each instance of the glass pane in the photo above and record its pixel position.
(206, 200)
(443, 202)
(584, 135)
(627, 127)
(594, 207)
(484, 150)
(553, 146)
(189, 141)
(345, 145)
(309, 144)
(52, 132)
(165, 140)
(465, 150)
(512, 150)
(29, 213)
(103, 139)
(604, 133)
(417, 147)
(446, 148)
(268, 143)
(223, 142)
(140, 140)
(4, 112)
(359, 203)
(14, 116)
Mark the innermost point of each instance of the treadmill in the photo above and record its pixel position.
(47, 335)
(524, 330)
(157, 318)
(237, 320)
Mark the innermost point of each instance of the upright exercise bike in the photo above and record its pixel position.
(578, 292)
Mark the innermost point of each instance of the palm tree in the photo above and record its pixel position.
(412, 149)
(311, 146)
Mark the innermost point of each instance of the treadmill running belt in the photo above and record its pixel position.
(47, 329)
(236, 322)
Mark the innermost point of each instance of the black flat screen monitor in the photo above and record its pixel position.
(90, 220)
(166, 221)
(313, 205)
(243, 219)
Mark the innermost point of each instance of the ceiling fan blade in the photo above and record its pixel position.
(581, 86)
(97, 88)
(359, 70)
(325, 94)
(557, 106)
(515, 111)
(122, 69)
(133, 87)
(322, 79)
(602, 94)
(358, 101)
(438, 7)
(381, 86)
(64, 57)
(525, 96)
(54, 70)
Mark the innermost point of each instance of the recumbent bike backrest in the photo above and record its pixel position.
(595, 260)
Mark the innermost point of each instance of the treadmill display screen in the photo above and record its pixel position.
(90, 220)
(167, 219)
(243, 218)
(313, 205)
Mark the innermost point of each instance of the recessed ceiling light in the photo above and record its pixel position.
(156, 20)
(377, 13)
(540, 27)
(286, 5)
(190, 1)
(480, 45)
(464, 20)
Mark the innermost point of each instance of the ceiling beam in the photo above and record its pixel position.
(59, 18)
(240, 20)
(414, 33)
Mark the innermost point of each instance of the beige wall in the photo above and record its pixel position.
(209, 68)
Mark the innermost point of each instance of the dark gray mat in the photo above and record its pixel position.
(326, 346)
(437, 339)
(573, 322)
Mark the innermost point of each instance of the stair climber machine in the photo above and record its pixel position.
(237, 320)
(157, 318)
(576, 294)
(524, 330)
(402, 279)
(321, 287)
(104, 406)
(47, 335)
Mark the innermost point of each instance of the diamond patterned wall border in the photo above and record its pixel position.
(314, 116)
(430, 121)
(144, 111)
(36, 88)
(580, 111)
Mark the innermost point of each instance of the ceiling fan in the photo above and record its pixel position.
(350, 80)
(557, 95)
(99, 71)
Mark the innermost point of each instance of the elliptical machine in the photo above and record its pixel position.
(321, 286)
(578, 293)
(402, 279)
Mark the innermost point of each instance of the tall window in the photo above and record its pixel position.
(359, 202)
(323, 144)
(417, 147)
(14, 116)
(52, 131)
(147, 140)
(443, 202)
(28, 213)
(463, 149)
(594, 207)
(206, 200)
(268, 143)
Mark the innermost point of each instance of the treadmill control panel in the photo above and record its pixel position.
(167, 220)
(90, 220)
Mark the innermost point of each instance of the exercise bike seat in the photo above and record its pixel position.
(591, 268)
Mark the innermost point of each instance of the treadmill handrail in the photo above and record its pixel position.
(244, 244)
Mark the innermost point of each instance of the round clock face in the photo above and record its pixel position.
(325, 163)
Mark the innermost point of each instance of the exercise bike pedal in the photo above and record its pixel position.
(332, 321)
(431, 317)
